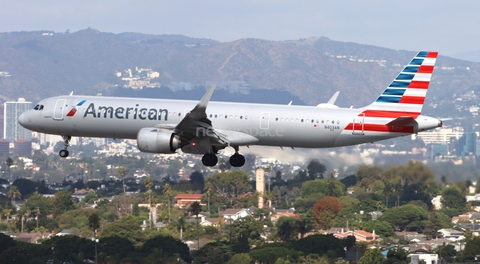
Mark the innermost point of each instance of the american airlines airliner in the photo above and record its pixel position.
(204, 127)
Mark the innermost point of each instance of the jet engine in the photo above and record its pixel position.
(155, 140)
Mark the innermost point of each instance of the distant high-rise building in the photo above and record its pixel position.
(12, 129)
(23, 148)
(2, 120)
(467, 144)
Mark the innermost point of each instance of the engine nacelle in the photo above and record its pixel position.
(155, 140)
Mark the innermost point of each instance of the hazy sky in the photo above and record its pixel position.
(446, 26)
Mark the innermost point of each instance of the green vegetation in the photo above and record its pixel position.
(400, 196)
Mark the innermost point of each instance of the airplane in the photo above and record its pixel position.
(204, 127)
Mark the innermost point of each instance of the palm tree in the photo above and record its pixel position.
(122, 172)
(208, 190)
(167, 191)
(181, 224)
(195, 209)
(149, 184)
(7, 213)
(14, 193)
(37, 214)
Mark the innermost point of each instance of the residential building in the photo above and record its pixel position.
(186, 199)
(234, 214)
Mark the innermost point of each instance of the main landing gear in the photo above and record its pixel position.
(66, 143)
(236, 160)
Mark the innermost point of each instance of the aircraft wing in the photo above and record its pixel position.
(196, 125)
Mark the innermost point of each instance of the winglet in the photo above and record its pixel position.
(202, 105)
(334, 98)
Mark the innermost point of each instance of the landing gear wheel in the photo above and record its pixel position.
(237, 160)
(66, 142)
(63, 153)
(209, 160)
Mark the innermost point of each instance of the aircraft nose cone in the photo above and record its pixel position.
(22, 120)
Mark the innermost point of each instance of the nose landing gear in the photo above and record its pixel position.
(66, 143)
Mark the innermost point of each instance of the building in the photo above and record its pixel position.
(260, 186)
(234, 214)
(186, 199)
(440, 135)
(2, 120)
(467, 144)
(4, 147)
(23, 148)
(13, 131)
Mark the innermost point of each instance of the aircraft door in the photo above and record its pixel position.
(59, 109)
(264, 120)
(358, 125)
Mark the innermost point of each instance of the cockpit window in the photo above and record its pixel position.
(38, 107)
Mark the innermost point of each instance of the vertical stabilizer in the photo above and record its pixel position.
(407, 92)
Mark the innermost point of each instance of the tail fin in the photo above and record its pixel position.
(407, 92)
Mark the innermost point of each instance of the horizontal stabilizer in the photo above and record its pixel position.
(402, 121)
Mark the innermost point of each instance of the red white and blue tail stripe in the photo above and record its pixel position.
(397, 108)
(407, 92)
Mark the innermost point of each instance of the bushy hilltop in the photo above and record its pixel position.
(41, 64)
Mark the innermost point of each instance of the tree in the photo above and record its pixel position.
(398, 255)
(168, 246)
(149, 184)
(472, 249)
(197, 180)
(25, 186)
(240, 258)
(196, 208)
(94, 222)
(181, 222)
(270, 254)
(316, 169)
(230, 184)
(287, 228)
(320, 187)
(323, 245)
(6, 242)
(217, 252)
(208, 191)
(63, 202)
(115, 246)
(167, 191)
(325, 211)
(406, 217)
(126, 227)
(436, 221)
(14, 193)
(453, 198)
(122, 172)
(372, 256)
(248, 227)
(381, 228)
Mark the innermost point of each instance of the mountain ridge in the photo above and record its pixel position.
(45, 63)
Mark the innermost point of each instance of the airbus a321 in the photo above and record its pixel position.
(204, 127)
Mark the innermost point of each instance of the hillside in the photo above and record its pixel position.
(42, 64)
